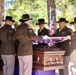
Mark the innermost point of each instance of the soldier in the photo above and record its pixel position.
(25, 35)
(73, 55)
(7, 46)
(42, 31)
(74, 23)
(62, 31)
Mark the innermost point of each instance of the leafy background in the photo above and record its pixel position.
(38, 9)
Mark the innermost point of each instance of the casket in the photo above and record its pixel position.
(45, 58)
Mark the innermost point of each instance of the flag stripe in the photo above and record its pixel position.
(51, 24)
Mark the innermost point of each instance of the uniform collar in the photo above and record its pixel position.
(41, 29)
(61, 28)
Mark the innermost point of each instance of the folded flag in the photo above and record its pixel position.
(47, 39)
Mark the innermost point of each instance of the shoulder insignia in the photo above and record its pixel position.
(72, 33)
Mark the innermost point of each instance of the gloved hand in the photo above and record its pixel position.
(67, 38)
(45, 37)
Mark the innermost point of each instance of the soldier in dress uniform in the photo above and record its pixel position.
(42, 31)
(7, 46)
(74, 23)
(25, 35)
(63, 31)
(73, 54)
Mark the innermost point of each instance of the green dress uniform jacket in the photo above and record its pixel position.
(66, 45)
(73, 54)
(43, 32)
(25, 36)
(7, 45)
(64, 32)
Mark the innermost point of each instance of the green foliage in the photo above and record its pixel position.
(65, 8)
(36, 9)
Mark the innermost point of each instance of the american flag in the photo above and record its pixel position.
(47, 39)
(51, 23)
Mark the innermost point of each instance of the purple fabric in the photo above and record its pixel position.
(36, 72)
(16, 70)
(40, 72)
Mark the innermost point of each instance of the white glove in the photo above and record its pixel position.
(67, 38)
(45, 37)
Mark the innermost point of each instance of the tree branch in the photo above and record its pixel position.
(59, 2)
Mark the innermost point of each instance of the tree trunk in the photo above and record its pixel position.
(1, 10)
(51, 4)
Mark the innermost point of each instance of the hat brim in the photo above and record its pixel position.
(72, 22)
(9, 20)
(21, 20)
(63, 21)
(40, 23)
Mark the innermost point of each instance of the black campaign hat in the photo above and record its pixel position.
(25, 17)
(41, 21)
(9, 18)
(62, 20)
(72, 22)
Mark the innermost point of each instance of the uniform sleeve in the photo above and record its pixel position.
(32, 35)
(48, 32)
(72, 33)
